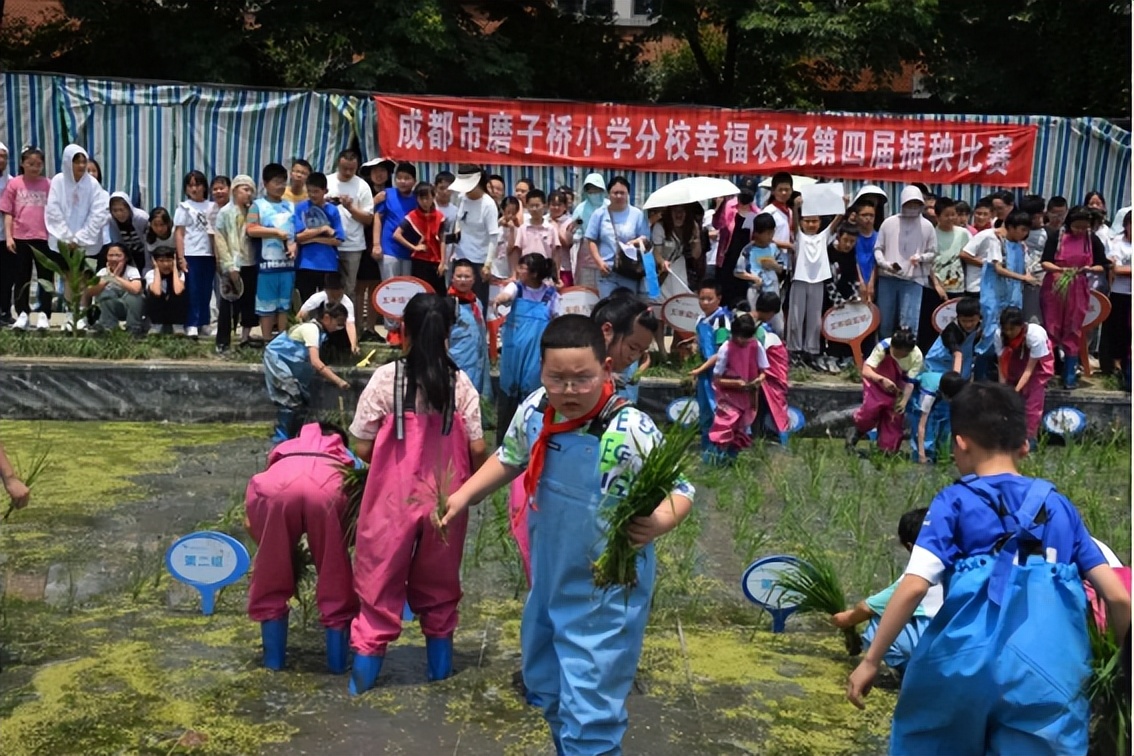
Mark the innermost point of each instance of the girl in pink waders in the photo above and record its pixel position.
(301, 492)
(1026, 363)
(886, 389)
(419, 421)
(1066, 293)
(741, 367)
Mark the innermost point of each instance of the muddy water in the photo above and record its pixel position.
(103, 653)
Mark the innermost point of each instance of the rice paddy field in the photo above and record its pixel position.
(103, 653)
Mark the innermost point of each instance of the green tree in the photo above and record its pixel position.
(1032, 56)
(784, 53)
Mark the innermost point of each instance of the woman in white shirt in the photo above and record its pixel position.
(1114, 345)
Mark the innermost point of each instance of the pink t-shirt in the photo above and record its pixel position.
(377, 402)
(541, 240)
(25, 200)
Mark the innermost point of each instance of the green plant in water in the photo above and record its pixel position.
(77, 272)
(662, 468)
(815, 582)
(31, 470)
(1109, 696)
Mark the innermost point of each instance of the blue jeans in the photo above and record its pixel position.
(607, 285)
(199, 287)
(899, 302)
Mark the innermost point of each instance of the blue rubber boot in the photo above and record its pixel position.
(1070, 373)
(273, 633)
(285, 422)
(364, 673)
(338, 649)
(439, 655)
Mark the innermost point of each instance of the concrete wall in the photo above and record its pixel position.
(195, 392)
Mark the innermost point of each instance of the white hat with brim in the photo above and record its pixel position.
(465, 182)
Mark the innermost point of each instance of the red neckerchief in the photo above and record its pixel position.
(1011, 346)
(549, 429)
(468, 298)
(786, 211)
(428, 227)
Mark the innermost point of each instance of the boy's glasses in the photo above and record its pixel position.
(562, 385)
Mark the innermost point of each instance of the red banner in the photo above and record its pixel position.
(704, 140)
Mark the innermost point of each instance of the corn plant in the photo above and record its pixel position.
(77, 272)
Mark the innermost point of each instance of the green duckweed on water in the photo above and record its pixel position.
(133, 668)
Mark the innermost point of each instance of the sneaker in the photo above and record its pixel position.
(394, 339)
(191, 331)
(178, 330)
(21, 322)
(43, 322)
(155, 330)
(81, 325)
(222, 350)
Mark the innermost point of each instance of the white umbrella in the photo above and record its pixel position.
(687, 190)
(796, 182)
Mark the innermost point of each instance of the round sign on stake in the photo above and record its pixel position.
(1067, 422)
(850, 324)
(945, 314)
(760, 584)
(390, 296)
(1098, 310)
(681, 312)
(684, 410)
(208, 561)
(576, 300)
(796, 420)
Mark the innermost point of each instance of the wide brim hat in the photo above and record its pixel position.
(465, 182)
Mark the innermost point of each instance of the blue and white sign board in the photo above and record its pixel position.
(1067, 422)
(683, 410)
(760, 584)
(208, 561)
(796, 420)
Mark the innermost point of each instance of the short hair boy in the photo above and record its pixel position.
(1003, 544)
(271, 219)
(872, 607)
(955, 347)
(580, 645)
(713, 329)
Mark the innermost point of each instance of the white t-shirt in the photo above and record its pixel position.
(480, 228)
(319, 299)
(148, 280)
(783, 224)
(1119, 254)
(131, 274)
(985, 246)
(363, 198)
(811, 262)
(1035, 341)
(194, 217)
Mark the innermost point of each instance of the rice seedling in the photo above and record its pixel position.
(1063, 282)
(816, 583)
(353, 485)
(77, 272)
(31, 469)
(662, 468)
(1108, 692)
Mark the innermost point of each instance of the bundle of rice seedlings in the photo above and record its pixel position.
(39, 463)
(353, 484)
(816, 582)
(1063, 283)
(1108, 692)
(662, 468)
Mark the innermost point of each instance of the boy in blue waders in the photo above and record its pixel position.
(712, 331)
(581, 446)
(871, 608)
(930, 430)
(955, 347)
(1003, 667)
(468, 343)
(291, 362)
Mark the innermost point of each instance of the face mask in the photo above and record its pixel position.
(911, 212)
(745, 199)
(594, 199)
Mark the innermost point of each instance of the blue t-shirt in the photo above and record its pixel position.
(611, 227)
(749, 262)
(272, 254)
(864, 255)
(393, 210)
(961, 523)
(316, 255)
